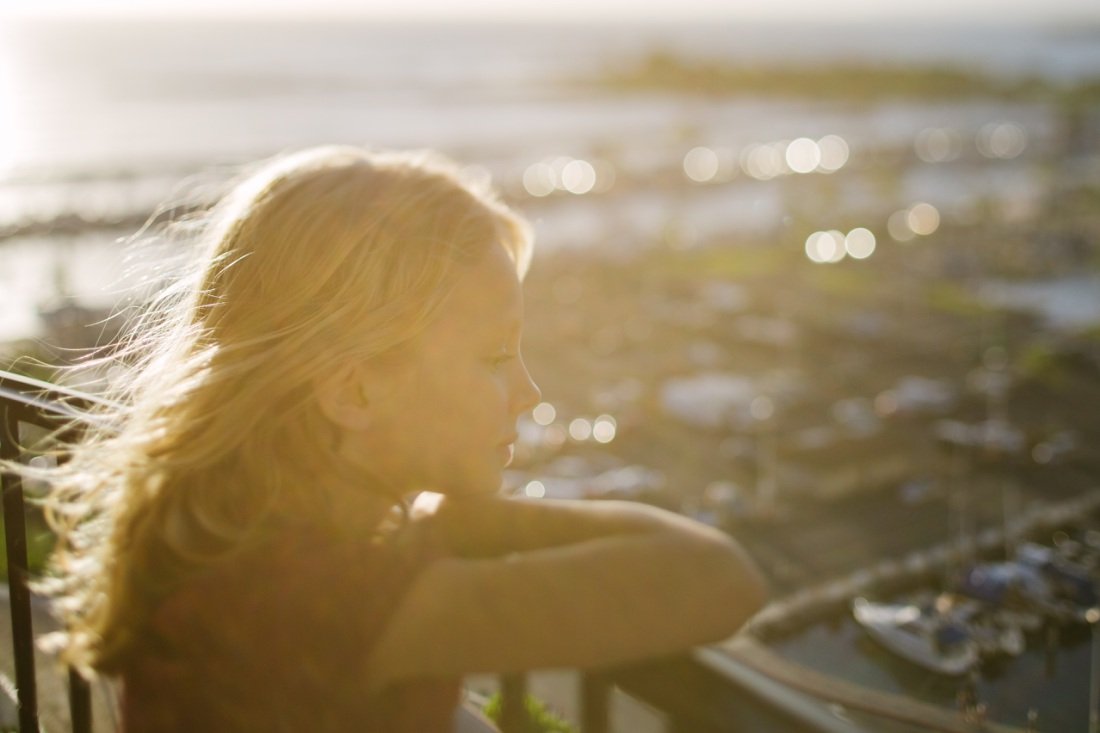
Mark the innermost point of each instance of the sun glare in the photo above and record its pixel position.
(12, 134)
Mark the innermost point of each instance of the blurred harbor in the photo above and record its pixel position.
(846, 322)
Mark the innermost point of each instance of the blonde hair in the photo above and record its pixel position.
(319, 258)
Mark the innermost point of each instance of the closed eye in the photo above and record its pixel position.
(501, 359)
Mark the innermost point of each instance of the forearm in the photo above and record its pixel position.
(494, 526)
(602, 600)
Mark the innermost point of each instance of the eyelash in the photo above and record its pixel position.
(501, 359)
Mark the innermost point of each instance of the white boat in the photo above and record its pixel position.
(993, 634)
(926, 640)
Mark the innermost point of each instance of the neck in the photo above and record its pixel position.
(358, 503)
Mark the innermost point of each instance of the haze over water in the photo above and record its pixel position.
(109, 115)
(98, 116)
(96, 94)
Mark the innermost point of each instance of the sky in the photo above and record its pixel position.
(1001, 11)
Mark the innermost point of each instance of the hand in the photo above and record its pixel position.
(425, 505)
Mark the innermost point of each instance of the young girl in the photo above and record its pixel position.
(235, 542)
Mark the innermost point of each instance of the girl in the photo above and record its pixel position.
(235, 542)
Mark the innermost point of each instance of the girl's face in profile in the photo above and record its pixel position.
(443, 416)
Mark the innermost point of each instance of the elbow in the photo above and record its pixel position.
(739, 585)
(757, 593)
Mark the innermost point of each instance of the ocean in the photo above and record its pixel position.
(82, 97)
(101, 117)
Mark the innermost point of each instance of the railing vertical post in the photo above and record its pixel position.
(15, 537)
(595, 703)
(513, 710)
(80, 702)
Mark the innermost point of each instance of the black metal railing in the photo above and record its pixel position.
(29, 402)
(698, 692)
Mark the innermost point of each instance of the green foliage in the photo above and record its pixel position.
(954, 300)
(1090, 334)
(735, 263)
(664, 70)
(39, 545)
(851, 282)
(539, 718)
(1053, 368)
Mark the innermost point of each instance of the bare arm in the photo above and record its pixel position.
(492, 526)
(566, 584)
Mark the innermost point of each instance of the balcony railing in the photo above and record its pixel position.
(28, 402)
(703, 691)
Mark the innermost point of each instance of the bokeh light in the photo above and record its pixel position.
(859, 243)
(834, 153)
(604, 429)
(1002, 140)
(761, 408)
(580, 429)
(898, 226)
(563, 173)
(534, 490)
(825, 247)
(701, 164)
(538, 179)
(803, 155)
(937, 145)
(763, 162)
(923, 219)
(544, 413)
(578, 177)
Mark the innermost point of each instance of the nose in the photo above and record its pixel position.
(526, 393)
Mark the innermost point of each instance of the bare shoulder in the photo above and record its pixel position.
(597, 601)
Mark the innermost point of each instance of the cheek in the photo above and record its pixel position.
(453, 398)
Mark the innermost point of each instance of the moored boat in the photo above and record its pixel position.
(931, 642)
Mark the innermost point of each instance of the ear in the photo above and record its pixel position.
(341, 396)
